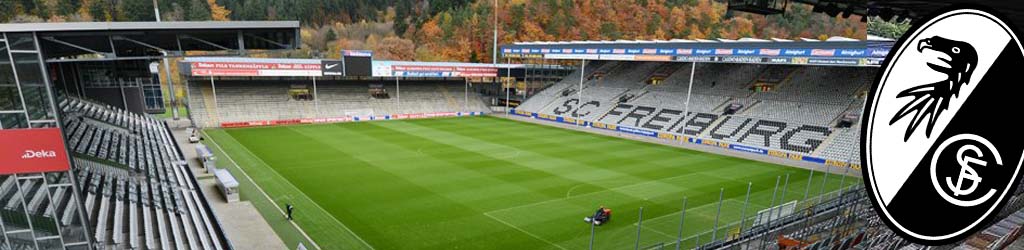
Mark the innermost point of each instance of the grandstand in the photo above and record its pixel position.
(215, 100)
(799, 114)
(243, 101)
(138, 191)
(93, 171)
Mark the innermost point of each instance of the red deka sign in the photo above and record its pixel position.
(32, 151)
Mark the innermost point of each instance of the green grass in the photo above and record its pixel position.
(492, 183)
(182, 111)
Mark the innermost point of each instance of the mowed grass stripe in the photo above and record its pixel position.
(489, 183)
(374, 201)
(477, 173)
(327, 233)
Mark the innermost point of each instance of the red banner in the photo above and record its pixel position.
(32, 151)
(255, 69)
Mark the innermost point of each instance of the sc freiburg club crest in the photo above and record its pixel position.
(941, 146)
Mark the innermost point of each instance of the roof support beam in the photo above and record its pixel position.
(162, 50)
(206, 42)
(283, 46)
(77, 46)
(241, 43)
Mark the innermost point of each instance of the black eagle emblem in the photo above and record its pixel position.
(931, 99)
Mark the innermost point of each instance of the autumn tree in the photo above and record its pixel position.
(394, 48)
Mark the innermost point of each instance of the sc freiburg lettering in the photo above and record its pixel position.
(577, 113)
(810, 143)
(700, 121)
(765, 129)
(659, 117)
(638, 113)
(715, 132)
(567, 106)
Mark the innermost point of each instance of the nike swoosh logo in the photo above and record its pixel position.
(329, 66)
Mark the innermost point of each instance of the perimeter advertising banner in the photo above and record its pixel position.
(255, 69)
(32, 151)
(443, 71)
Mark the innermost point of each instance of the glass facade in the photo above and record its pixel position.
(152, 94)
(37, 210)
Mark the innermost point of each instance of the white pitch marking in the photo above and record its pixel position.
(215, 144)
(311, 200)
(524, 231)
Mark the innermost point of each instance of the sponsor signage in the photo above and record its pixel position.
(653, 58)
(746, 52)
(443, 71)
(332, 68)
(695, 58)
(571, 56)
(357, 53)
(823, 52)
(833, 61)
(255, 69)
(740, 59)
(32, 151)
(870, 55)
(618, 57)
(770, 52)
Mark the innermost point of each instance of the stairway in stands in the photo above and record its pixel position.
(211, 107)
(452, 103)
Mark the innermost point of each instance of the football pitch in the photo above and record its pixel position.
(493, 183)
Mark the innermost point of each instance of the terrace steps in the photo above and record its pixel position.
(210, 104)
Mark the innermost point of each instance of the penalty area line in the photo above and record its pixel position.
(524, 231)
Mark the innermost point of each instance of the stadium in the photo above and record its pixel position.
(747, 143)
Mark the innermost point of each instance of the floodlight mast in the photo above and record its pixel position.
(494, 57)
(167, 70)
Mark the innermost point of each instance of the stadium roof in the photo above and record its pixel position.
(105, 41)
(832, 51)
(127, 26)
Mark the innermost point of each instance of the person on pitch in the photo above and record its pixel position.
(601, 216)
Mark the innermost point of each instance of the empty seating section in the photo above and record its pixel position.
(677, 81)
(241, 101)
(839, 148)
(131, 176)
(568, 84)
(628, 75)
(346, 99)
(698, 103)
(820, 84)
(797, 114)
(724, 79)
(251, 101)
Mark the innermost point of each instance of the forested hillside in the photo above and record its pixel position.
(456, 30)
